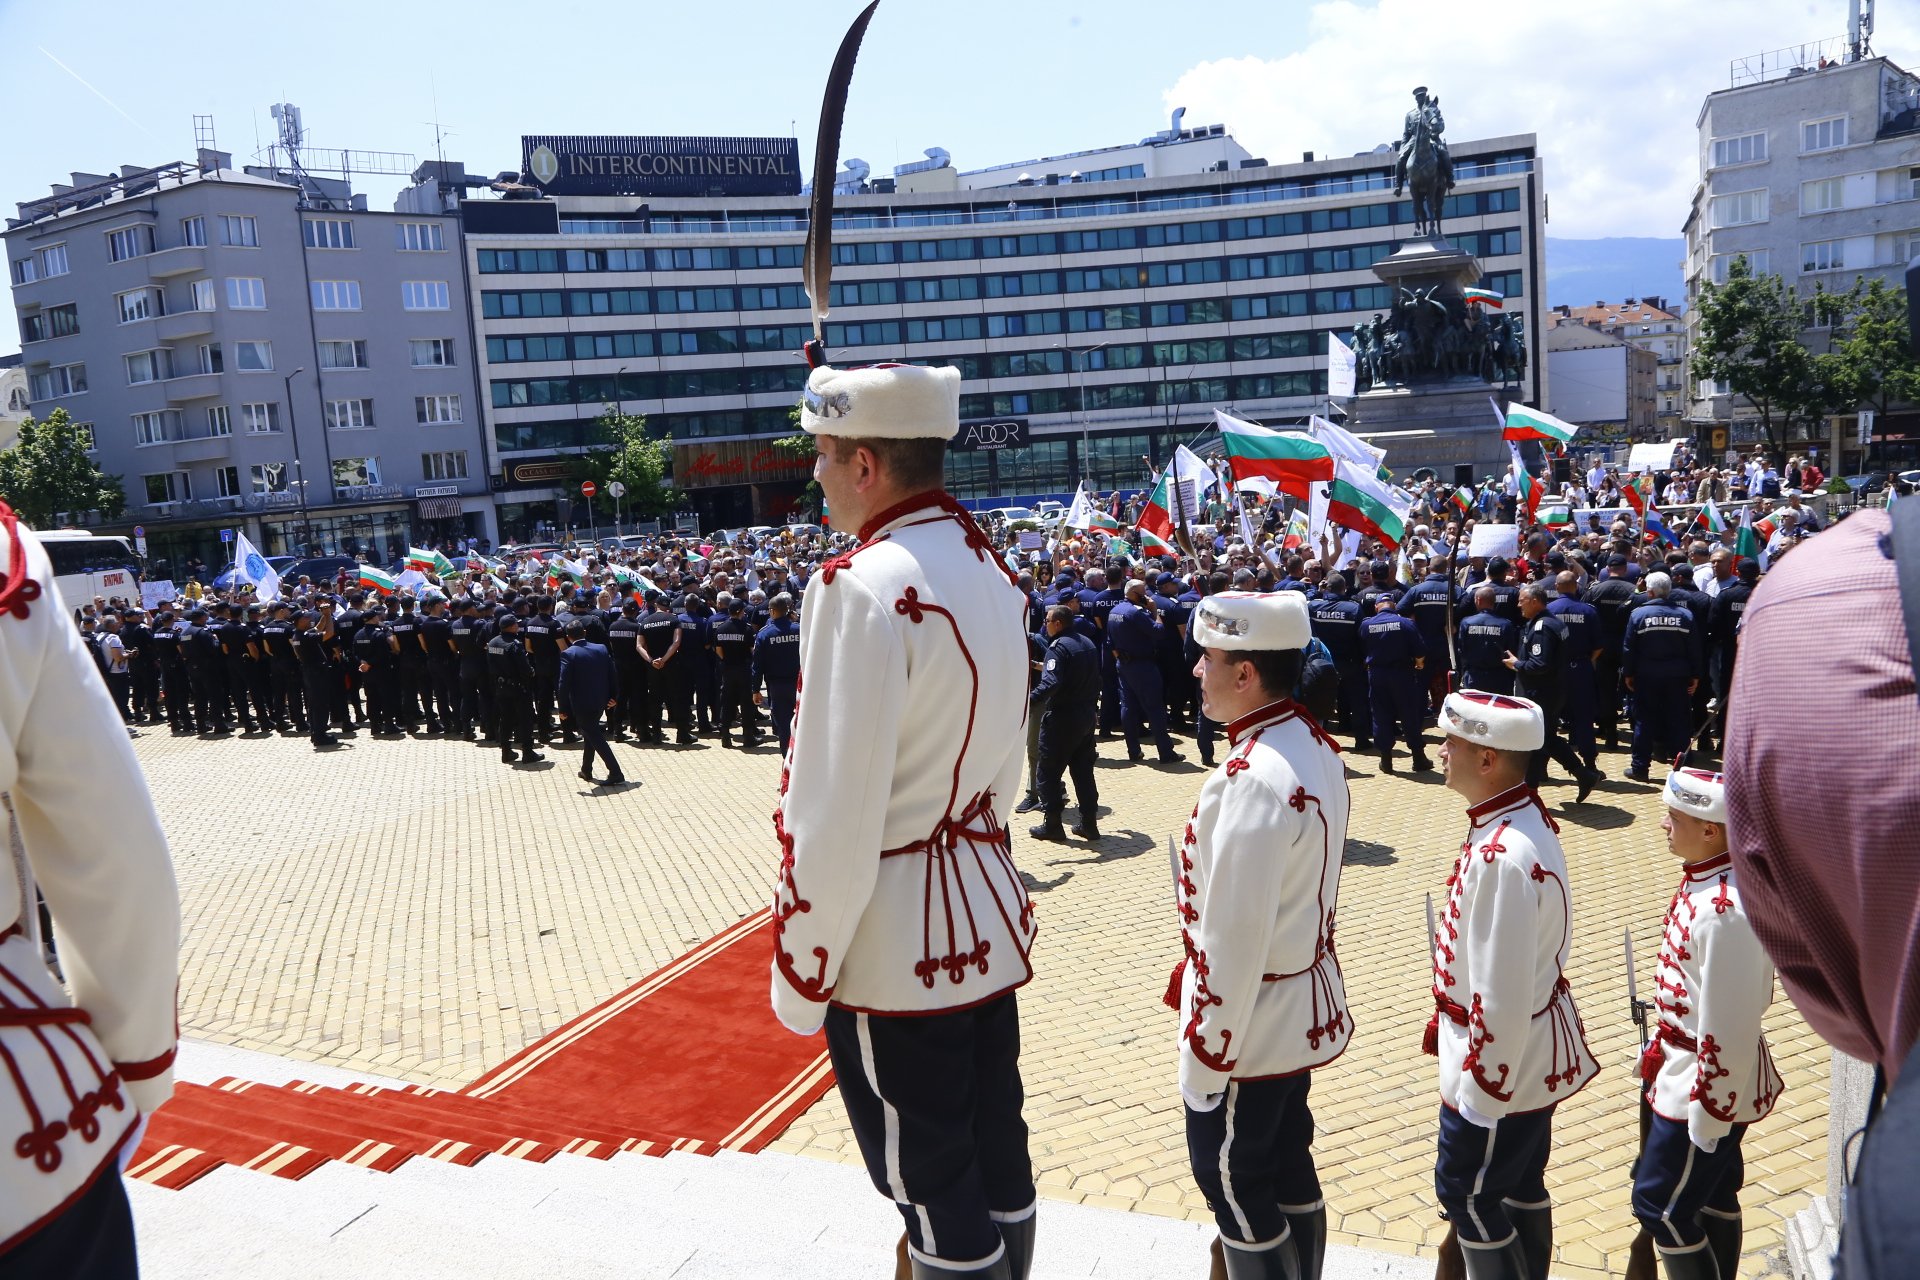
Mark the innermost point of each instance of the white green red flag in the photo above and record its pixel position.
(1463, 500)
(1711, 518)
(1485, 297)
(1175, 501)
(377, 580)
(1635, 497)
(425, 560)
(1526, 489)
(1356, 499)
(1292, 460)
(1296, 531)
(1523, 423)
(1558, 516)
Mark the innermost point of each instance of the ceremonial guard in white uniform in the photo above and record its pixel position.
(900, 921)
(79, 1073)
(1507, 1033)
(1707, 1069)
(1259, 990)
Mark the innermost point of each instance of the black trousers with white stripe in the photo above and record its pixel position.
(1674, 1182)
(1252, 1157)
(1481, 1172)
(935, 1105)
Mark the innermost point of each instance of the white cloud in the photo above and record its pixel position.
(1611, 87)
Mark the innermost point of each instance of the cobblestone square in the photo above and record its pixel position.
(416, 909)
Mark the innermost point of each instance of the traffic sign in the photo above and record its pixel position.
(140, 545)
(589, 488)
(226, 535)
(617, 489)
(139, 531)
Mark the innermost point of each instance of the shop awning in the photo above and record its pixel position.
(439, 508)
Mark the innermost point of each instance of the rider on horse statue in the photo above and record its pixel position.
(1425, 118)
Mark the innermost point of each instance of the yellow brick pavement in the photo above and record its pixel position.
(417, 909)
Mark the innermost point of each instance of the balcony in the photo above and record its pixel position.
(191, 387)
(183, 324)
(178, 261)
(202, 449)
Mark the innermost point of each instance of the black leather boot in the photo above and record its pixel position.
(1508, 1262)
(1281, 1262)
(1536, 1238)
(1723, 1238)
(1309, 1240)
(1694, 1264)
(1018, 1237)
(1049, 829)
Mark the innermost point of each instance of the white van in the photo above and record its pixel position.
(86, 565)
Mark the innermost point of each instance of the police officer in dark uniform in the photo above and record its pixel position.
(1133, 639)
(1660, 663)
(238, 652)
(1336, 624)
(684, 670)
(1700, 605)
(776, 661)
(1723, 636)
(206, 669)
(1485, 639)
(629, 669)
(176, 687)
(696, 660)
(311, 642)
(1067, 698)
(542, 635)
(1176, 674)
(1539, 667)
(1379, 583)
(441, 701)
(1578, 689)
(284, 702)
(733, 641)
(470, 643)
(660, 639)
(1204, 730)
(1395, 655)
(410, 663)
(1612, 601)
(512, 674)
(346, 627)
(1506, 594)
(143, 665)
(1430, 602)
(259, 669)
(376, 652)
(1094, 602)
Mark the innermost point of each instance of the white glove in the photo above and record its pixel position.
(132, 1144)
(1201, 1101)
(1474, 1117)
(1705, 1144)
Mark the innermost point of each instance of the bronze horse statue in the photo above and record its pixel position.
(1428, 181)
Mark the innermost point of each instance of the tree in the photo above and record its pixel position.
(1876, 354)
(802, 445)
(1750, 343)
(48, 473)
(626, 452)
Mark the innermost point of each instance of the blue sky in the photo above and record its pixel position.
(1611, 86)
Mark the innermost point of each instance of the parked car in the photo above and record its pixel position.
(1007, 515)
(1049, 511)
(798, 530)
(1869, 482)
(1911, 479)
(320, 568)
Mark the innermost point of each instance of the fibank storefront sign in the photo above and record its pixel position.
(590, 166)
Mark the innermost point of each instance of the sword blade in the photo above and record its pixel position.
(817, 263)
(1432, 937)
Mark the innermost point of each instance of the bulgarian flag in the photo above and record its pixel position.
(1463, 500)
(1292, 460)
(1156, 521)
(1522, 423)
(1558, 516)
(378, 579)
(1358, 500)
(1711, 518)
(1635, 497)
(1485, 297)
(1526, 489)
(425, 560)
(1296, 535)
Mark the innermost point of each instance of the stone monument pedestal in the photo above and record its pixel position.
(1429, 406)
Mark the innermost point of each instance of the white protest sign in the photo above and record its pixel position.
(155, 594)
(1491, 540)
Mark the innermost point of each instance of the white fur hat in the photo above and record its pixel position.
(1496, 720)
(882, 401)
(1252, 620)
(1698, 793)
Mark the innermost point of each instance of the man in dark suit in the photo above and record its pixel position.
(586, 689)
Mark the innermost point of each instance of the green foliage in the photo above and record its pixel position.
(1750, 343)
(627, 453)
(802, 446)
(1876, 356)
(48, 472)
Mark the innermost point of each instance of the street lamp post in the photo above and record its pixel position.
(299, 473)
(1079, 356)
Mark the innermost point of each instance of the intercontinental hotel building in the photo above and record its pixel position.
(257, 349)
(1099, 305)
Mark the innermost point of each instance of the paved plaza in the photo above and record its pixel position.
(416, 910)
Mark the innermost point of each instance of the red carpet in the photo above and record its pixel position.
(690, 1058)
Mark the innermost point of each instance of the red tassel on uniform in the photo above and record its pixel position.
(1430, 1040)
(1651, 1058)
(1172, 998)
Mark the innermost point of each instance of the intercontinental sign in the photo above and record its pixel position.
(606, 166)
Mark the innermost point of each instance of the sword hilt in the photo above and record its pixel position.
(816, 353)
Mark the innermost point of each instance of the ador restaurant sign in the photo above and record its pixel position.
(627, 166)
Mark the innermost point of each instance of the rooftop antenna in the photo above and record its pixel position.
(439, 134)
(1860, 31)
